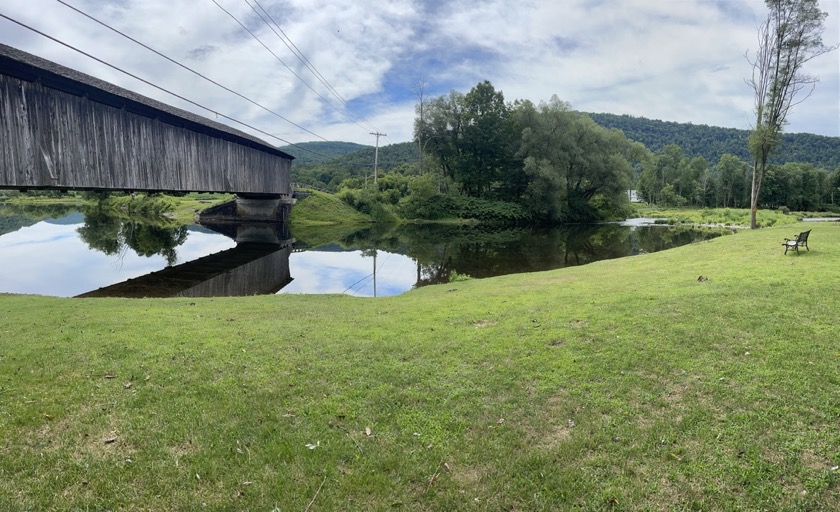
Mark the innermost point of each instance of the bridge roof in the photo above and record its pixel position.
(25, 66)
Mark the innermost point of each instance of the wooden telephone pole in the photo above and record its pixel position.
(376, 155)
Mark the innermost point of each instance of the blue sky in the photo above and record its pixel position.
(675, 60)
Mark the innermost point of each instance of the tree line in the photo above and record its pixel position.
(712, 142)
(555, 163)
(518, 161)
(672, 178)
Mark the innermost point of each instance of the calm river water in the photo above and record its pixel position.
(68, 253)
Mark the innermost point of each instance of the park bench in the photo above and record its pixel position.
(801, 240)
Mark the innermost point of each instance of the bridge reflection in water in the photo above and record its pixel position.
(258, 265)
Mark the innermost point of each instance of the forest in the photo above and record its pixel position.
(484, 157)
(712, 142)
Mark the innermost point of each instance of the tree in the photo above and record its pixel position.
(731, 176)
(543, 148)
(472, 138)
(660, 171)
(441, 131)
(576, 170)
(487, 141)
(833, 186)
(790, 36)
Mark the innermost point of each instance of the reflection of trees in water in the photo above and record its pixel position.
(148, 240)
(38, 211)
(101, 232)
(14, 217)
(441, 249)
(536, 250)
(659, 238)
(111, 235)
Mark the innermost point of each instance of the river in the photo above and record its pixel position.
(65, 253)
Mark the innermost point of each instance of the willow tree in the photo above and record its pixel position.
(576, 170)
(789, 37)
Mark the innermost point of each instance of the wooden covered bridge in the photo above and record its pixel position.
(62, 129)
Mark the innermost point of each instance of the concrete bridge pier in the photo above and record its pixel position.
(249, 208)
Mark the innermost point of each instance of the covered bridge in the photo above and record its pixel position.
(62, 129)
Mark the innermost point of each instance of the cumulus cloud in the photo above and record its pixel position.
(675, 60)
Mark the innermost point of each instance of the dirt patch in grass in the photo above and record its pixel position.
(558, 435)
(811, 460)
(181, 450)
(468, 476)
(82, 441)
(578, 324)
(553, 425)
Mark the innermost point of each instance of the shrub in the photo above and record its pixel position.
(454, 277)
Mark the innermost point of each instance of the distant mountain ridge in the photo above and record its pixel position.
(314, 153)
(353, 162)
(329, 163)
(711, 142)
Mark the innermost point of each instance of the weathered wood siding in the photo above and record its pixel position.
(50, 138)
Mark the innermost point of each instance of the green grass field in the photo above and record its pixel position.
(701, 378)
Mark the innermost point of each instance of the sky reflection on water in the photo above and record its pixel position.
(49, 258)
(350, 272)
(78, 254)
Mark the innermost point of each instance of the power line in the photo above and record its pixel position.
(299, 53)
(304, 82)
(97, 59)
(187, 68)
(305, 61)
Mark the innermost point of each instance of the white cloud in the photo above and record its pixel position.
(676, 60)
(350, 272)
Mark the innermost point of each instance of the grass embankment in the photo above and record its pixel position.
(735, 217)
(321, 208)
(700, 378)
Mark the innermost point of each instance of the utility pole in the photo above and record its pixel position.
(376, 154)
(420, 89)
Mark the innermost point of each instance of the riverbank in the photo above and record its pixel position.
(737, 218)
(704, 377)
(161, 208)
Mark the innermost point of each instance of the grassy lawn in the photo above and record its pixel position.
(701, 378)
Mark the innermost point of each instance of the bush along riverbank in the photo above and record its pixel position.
(704, 377)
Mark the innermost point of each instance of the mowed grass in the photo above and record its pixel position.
(702, 378)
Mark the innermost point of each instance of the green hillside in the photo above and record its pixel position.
(313, 153)
(356, 163)
(711, 142)
(327, 164)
